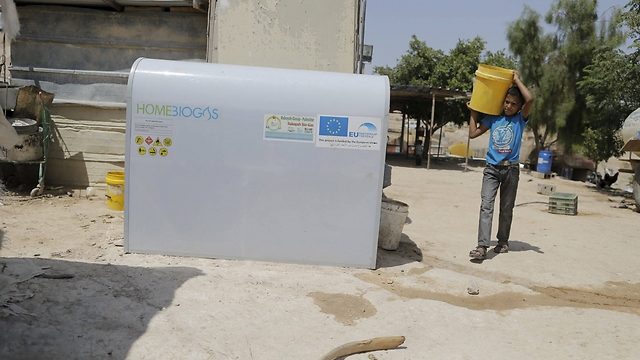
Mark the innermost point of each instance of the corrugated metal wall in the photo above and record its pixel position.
(89, 39)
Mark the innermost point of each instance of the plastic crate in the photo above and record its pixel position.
(563, 203)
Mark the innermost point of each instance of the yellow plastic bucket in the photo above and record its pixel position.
(115, 190)
(490, 89)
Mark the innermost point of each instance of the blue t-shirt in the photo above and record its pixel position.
(505, 137)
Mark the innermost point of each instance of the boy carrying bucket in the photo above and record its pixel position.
(502, 169)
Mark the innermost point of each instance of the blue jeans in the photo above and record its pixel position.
(506, 178)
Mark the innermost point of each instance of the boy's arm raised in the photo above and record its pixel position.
(526, 94)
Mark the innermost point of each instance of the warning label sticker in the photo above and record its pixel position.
(153, 144)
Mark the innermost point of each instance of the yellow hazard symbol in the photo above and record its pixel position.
(153, 151)
(167, 142)
(142, 150)
(139, 140)
(157, 142)
(164, 152)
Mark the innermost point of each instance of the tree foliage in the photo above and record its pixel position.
(613, 79)
(532, 48)
(554, 64)
(414, 68)
(612, 91)
(601, 144)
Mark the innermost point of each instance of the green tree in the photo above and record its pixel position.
(612, 81)
(500, 59)
(612, 91)
(601, 144)
(578, 37)
(532, 49)
(415, 67)
(555, 63)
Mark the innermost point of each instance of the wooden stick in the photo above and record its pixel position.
(381, 343)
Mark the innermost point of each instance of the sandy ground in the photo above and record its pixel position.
(569, 287)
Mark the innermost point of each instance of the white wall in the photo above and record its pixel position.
(295, 34)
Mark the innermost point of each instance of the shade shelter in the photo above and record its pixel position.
(403, 95)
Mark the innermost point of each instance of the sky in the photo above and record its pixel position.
(390, 23)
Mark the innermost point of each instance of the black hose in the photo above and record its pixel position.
(533, 202)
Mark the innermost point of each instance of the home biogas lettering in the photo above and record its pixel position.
(187, 112)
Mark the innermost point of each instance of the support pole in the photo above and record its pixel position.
(408, 137)
(440, 139)
(363, 15)
(427, 142)
(404, 117)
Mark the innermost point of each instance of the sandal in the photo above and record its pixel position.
(479, 253)
(501, 248)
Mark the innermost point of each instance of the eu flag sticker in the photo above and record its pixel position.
(350, 132)
(334, 126)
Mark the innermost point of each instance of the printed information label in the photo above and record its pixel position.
(153, 126)
(289, 127)
(348, 132)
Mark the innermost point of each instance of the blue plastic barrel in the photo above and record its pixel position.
(544, 161)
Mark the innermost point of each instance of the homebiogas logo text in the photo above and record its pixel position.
(186, 112)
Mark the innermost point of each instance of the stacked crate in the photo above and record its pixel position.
(563, 203)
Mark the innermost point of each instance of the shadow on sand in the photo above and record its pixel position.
(99, 313)
(514, 246)
(407, 252)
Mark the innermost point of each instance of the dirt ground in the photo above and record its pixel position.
(568, 288)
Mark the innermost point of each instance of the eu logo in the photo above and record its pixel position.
(334, 126)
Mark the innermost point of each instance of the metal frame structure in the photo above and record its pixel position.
(402, 95)
(46, 140)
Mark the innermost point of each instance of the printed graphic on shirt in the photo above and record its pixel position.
(502, 138)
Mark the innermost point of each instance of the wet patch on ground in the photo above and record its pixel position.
(615, 296)
(346, 309)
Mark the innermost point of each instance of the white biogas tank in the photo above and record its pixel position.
(257, 163)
